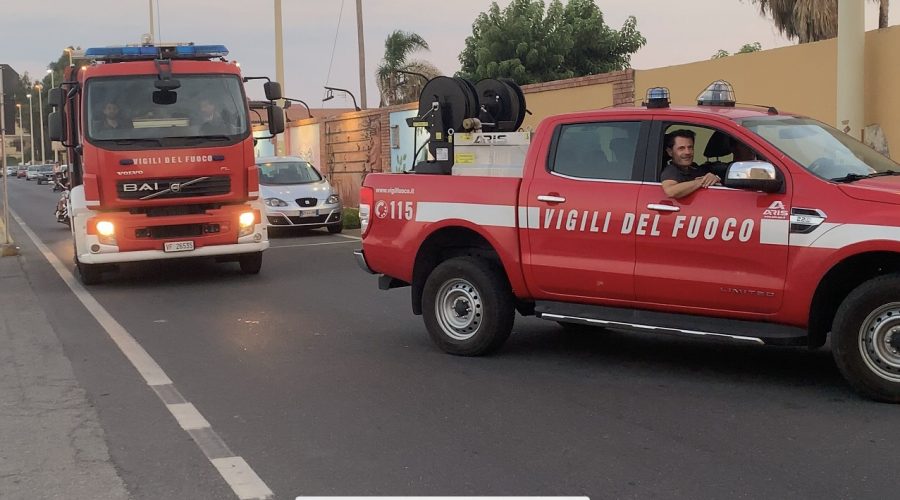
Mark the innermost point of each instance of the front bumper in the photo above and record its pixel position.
(144, 255)
(361, 261)
(308, 217)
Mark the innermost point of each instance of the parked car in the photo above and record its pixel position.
(22, 171)
(11, 170)
(296, 194)
(31, 173)
(45, 174)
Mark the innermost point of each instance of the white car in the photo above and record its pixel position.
(296, 194)
(11, 170)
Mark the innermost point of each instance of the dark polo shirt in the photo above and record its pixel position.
(672, 173)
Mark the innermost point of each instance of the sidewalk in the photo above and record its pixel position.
(51, 442)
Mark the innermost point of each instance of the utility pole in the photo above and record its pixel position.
(362, 54)
(279, 63)
(152, 31)
(6, 248)
(851, 52)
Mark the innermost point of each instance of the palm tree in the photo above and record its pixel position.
(810, 20)
(396, 87)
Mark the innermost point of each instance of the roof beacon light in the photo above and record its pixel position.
(657, 97)
(719, 93)
(150, 52)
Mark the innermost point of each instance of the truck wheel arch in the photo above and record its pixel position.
(841, 279)
(456, 241)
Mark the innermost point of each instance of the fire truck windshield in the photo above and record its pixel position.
(823, 150)
(130, 112)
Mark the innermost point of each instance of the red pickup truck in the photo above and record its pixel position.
(799, 242)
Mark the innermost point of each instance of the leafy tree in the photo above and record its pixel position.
(396, 87)
(810, 20)
(530, 44)
(745, 49)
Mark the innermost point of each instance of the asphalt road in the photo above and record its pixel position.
(327, 386)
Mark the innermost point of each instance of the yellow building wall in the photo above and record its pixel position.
(799, 79)
(553, 102)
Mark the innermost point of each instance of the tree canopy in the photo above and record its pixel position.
(810, 20)
(396, 76)
(531, 43)
(745, 49)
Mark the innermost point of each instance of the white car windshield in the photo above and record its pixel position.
(823, 150)
(287, 172)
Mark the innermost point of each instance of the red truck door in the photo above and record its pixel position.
(718, 248)
(573, 210)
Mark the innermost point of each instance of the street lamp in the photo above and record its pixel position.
(69, 50)
(289, 101)
(40, 89)
(52, 79)
(21, 132)
(31, 125)
(52, 85)
(330, 95)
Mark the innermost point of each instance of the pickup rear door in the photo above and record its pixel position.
(718, 249)
(582, 190)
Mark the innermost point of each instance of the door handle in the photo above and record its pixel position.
(663, 208)
(551, 199)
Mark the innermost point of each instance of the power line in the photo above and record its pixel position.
(334, 46)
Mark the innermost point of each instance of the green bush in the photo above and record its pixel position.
(351, 218)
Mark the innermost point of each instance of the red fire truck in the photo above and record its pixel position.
(161, 157)
(801, 241)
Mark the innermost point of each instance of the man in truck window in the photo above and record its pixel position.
(681, 176)
(111, 118)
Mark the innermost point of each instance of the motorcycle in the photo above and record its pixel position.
(60, 183)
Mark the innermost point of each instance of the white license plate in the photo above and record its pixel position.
(309, 213)
(179, 246)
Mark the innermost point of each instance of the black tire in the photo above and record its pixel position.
(865, 339)
(486, 313)
(250, 263)
(336, 228)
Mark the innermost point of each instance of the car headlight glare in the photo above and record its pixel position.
(333, 199)
(106, 228)
(276, 202)
(247, 219)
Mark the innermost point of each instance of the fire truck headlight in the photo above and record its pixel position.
(247, 219)
(106, 228)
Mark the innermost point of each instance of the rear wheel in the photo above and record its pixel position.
(866, 338)
(467, 306)
(250, 263)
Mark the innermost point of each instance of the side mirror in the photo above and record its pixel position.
(55, 125)
(273, 90)
(164, 97)
(56, 98)
(276, 120)
(753, 175)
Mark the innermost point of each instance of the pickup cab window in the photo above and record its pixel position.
(823, 150)
(596, 150)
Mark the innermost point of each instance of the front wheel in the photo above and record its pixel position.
(467, 306)
(866, 338)
(336, 228)
(250, 263)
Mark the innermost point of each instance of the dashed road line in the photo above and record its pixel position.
(245, 483)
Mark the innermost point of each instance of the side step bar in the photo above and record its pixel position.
(674, 324)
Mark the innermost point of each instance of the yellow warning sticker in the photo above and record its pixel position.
(465, 157)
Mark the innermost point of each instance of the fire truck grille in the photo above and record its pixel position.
(182, 187)
(174, 231)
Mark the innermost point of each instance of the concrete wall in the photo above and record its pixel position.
(800, 79)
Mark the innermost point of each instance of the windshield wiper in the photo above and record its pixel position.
(856, 177)
(126, 142)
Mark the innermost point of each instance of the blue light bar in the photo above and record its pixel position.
(152, 52)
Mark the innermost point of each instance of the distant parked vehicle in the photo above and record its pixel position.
(296, 194)
(45, 174)
(22, 171)
(11, 170)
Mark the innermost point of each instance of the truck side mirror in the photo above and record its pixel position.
(273, 90)
(56, 98)
(55, 125)
(753, 175)
(276, 120)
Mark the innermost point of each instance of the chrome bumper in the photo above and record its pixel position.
(361, 261)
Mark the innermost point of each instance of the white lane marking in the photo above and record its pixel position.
(355, 238)
(483, 215)
(188, 416)
(235, 471)
(243, 481)
(312, 244)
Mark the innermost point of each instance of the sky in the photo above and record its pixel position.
(320, 42)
